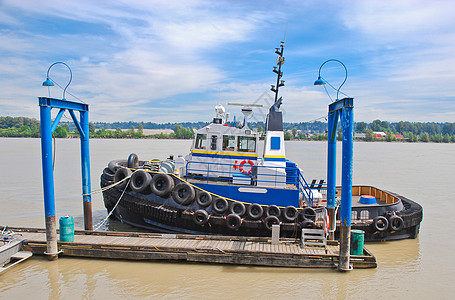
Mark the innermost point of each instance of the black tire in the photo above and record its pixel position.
(183, 193)
(255, 211)
(396, 223)
(140, 181)
(162, 185)
(220, 205)
(203, 198)
(133, 161)
(120, 174)
(308, 224)
(108, 174)
(114, 165)
(300, 217)
(273, 210)
(237, 208)
(233, 221)
(201, 217)
(309, 214)
(380, 223)
(290, 213)
(271, 220)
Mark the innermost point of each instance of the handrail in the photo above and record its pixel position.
(305, 189)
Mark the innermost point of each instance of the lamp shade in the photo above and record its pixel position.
(48, 82)
(319, 81)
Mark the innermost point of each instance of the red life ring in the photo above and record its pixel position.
(241, 166)
(327, 224)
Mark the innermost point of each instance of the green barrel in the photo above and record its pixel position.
(66, 229)
(357, 242)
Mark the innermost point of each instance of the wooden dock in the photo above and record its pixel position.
(194, 248)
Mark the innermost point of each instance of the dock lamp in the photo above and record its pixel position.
(49, 82)
(321, 81)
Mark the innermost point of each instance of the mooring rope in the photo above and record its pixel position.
(101, 223)
(107, 187)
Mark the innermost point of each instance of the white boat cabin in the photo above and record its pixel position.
(224, 153)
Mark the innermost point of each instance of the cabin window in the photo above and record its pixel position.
(200, 141)
(275, 143)
(213, 142)
(228, 142)
(246, 144)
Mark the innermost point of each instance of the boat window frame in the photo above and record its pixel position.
(201, 141)
(226, 142)
(213, 142)
(248, 148)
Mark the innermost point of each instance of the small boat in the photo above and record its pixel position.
(227, 185)
(11, 252)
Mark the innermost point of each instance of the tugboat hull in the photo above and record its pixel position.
(229, 217)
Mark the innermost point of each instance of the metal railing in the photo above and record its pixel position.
(223, 171)
(211, 171)
(305, 189)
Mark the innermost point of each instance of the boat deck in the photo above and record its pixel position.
(195, 248)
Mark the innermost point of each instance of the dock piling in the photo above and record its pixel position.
(48, 181)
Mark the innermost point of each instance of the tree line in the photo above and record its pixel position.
(411, 131)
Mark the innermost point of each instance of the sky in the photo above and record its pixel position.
(174, 61)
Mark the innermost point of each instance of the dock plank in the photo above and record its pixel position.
(211, 249)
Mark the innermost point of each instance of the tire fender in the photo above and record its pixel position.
(396, 223)
(237, 208)
(273, 210)
(255, 211)
(220, 205)
(162, 185)
(201, 217)
(380, 223)
(309, 214)
(203, 198)
(290, 213)
(140, 181)
(271, 220)
(133, 161)
(233, 221)
(183, 193)
(120, 174)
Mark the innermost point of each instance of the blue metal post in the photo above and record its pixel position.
(331, 169)
(347, 125)
(85, 164)
(48, 181)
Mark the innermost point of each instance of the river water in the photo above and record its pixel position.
(410, 269)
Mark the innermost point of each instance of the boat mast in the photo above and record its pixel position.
(279, 62)
(274, 121)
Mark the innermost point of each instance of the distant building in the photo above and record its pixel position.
(360, 136)
(379, 134)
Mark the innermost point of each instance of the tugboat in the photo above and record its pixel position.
(227, 186)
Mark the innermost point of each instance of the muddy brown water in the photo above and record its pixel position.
(410, 269)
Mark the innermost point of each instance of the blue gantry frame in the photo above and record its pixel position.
(342, 109)
(47, 128)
